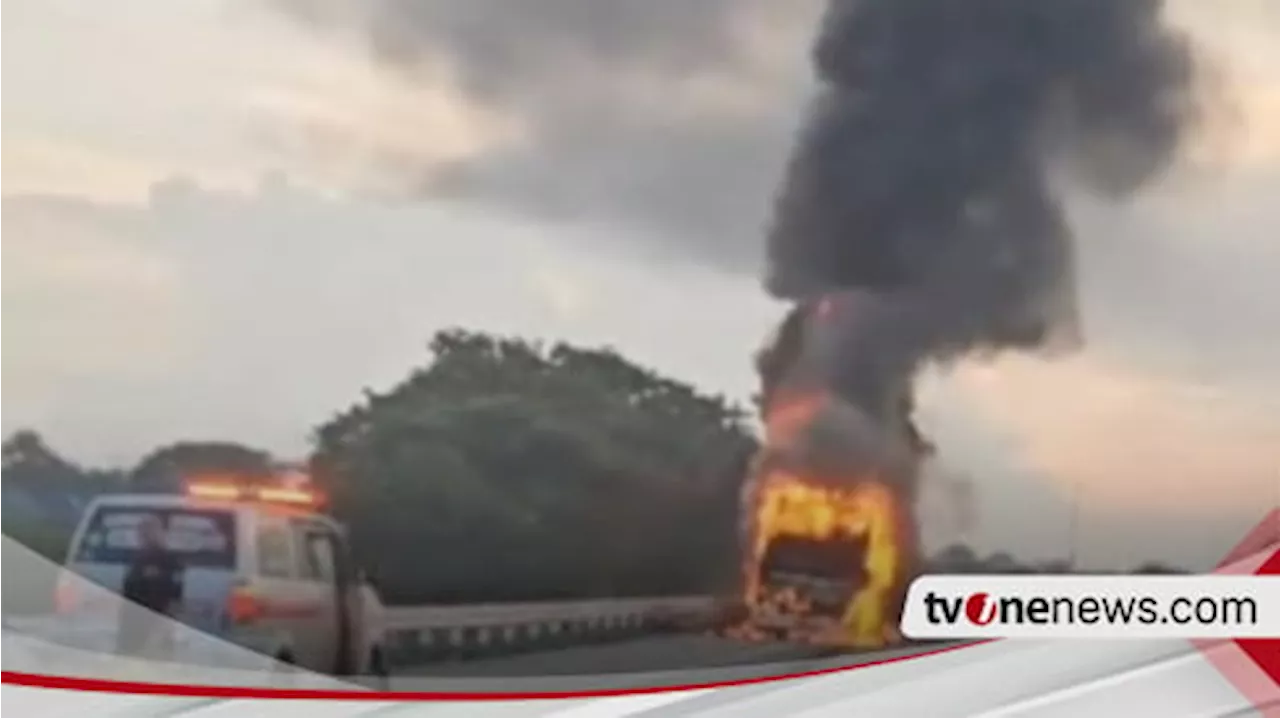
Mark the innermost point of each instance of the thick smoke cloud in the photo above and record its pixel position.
(927, 170)
(920, 216)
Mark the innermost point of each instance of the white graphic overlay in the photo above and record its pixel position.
(1107, 607)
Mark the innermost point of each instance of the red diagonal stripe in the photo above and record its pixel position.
(1254, 654)
(1263, 536)
(1266, 652)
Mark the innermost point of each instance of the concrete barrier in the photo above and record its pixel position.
(418, 634)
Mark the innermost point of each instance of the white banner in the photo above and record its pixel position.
(1107, 607)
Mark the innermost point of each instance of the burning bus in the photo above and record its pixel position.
(920, 219)
(828, 537)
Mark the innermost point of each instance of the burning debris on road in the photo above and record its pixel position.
(918, 222)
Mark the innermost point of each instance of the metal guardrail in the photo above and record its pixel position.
(419, 634)
(424, 633)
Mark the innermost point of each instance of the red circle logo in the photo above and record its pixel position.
(980, 609)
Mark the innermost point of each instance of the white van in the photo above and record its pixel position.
(262, 569)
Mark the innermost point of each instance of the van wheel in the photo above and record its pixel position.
(281, 670)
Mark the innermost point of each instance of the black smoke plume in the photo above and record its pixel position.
(921, 209)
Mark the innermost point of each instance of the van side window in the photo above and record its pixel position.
(275, 550)
(320, 552)
(315, 559)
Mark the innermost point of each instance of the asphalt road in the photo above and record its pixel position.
(671, 659)
(664, 660)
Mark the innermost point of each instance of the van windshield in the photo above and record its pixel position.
(200, 537)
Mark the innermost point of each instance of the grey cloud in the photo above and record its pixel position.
(580, 76)
(517, 52)
(702, 192)
(1187, 284)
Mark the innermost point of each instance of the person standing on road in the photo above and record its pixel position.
(152, 590)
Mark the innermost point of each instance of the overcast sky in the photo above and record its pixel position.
(225, 219)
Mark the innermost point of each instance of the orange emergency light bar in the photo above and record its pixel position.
(267, 494)
(286, 495)
(223, 492)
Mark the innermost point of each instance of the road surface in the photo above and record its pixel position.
(671, 659)
(663, 660)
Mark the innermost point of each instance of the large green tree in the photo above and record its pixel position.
(167, 467)
(506, 470)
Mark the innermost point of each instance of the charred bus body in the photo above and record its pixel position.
(828, 535)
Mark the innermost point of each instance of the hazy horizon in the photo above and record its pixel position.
(226, 220)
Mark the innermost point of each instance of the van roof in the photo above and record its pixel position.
(190, 502)
(150, 500)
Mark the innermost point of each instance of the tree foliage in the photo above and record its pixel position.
(45, 492)
(167, 467)
(507, 470)
(27, 460)
(961, 559)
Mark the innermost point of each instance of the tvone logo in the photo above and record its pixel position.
(977, 609)
(980, 609)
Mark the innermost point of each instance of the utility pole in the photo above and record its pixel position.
(1073, 527)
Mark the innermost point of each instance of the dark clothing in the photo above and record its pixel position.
(152, 585)
(154, 580)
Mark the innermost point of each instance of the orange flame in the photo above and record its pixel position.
(858, 510)
(791, 507)
(791, 416)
